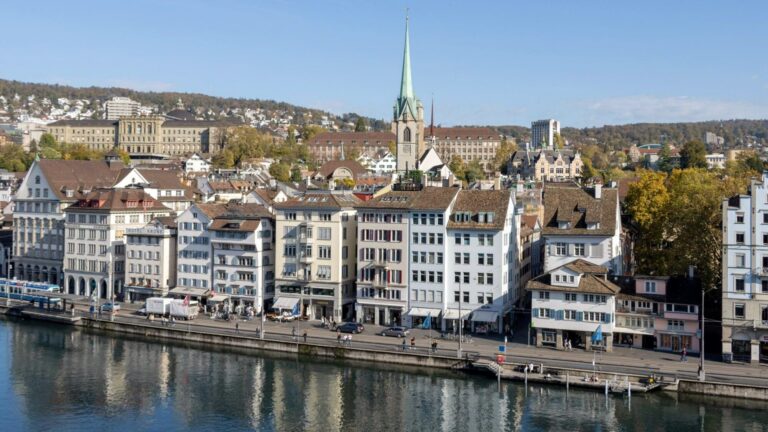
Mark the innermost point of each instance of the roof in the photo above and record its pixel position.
(427, 198)
(233, 224)
(680, 289)
(330, 167)
(458, 133)
(212, 210)
(481, 201)
(85, 123)
(529, 220)
(585, 267)
(578, 207)
(321, 200)
(180, 114)
(78, 175)
(588, 283)
(352, 138)
(118, 199)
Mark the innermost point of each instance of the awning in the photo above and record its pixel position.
(485, 316)
(422, 312)
(196, 292)
(625, 330)
(218, 298)
(453, 314)
(285, 303)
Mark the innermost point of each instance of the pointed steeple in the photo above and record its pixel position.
(406, 85)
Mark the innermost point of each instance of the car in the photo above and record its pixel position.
(350, 327)
(110, 307)
(142, 311)
(395, 331)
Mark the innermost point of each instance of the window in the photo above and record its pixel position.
(764, 314)
(740, 285)
(740, 260)
(765, 217)
(738, 311)
(466, 258)
(546, 313)
(570, 296)
(466, 239)
(544, 295)
(456, 296)
(323, 272)
(561, 249)
(740, 238)
(739, 218)
(569, 314)
(324, 252)
(324, 234)
(579, 249)
(650, 287)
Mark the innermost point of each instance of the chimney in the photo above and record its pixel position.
(598, 190)
(519, 187)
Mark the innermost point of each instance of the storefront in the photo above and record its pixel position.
(484, 322)
(417, 317)
(675, 342)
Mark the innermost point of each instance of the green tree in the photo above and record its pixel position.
(246, 142)
(473, 171)
(345, 183)
(693, 155)
(503, 154)
(14, 158)
(360, 125)
(559, 142)
(47, 140)
(224, 159)
(296, 174)
(456, 165)
(647, 202)
(309, 131)
(415, 176)
(587, 171)
(280, 171)
(665, 163)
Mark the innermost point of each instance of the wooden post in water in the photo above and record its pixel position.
(629, 388)
(606, 387)
(567, 381)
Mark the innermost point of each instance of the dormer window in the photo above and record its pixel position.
(593, 225)
(563, 224)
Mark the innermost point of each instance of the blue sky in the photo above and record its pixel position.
(507, 62)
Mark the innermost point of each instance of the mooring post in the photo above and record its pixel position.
(606, 387)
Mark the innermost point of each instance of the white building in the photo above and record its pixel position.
(163, 185)
(482, 247)
(715, 160)
(316, 254)
(95, 238)
(242, 241)
(194, 266)
(571, 302)
(150, 259)
(121, 106)
(196, 164)
(745, 274)
(582, 224)
(387, 163)
(543, 133)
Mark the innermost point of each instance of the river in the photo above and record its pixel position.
(55, 378)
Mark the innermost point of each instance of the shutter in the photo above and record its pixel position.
(534, 313)
(560, 314)
(607, 318)
(597, 250)
(579, 316)
(571, 249)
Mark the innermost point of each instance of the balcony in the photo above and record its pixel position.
(762, 271)
(380, 264)
(304, 259)
(379, 283)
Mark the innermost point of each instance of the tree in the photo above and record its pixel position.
(360, 125)
(14, 158)
(647, 202)
(296, 174)
(346, 183)
(503, 154)
(224, 159)
(246, 142)
(47, 140)
(587, 171)
(280, 171)
(665, 163)
(693, 155)
(559, 142)
(473, 171)
(415, 176)
(392, 148)
(456, 165)
(309, 131)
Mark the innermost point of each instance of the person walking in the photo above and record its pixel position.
(413, 342)
(305, 336)
(434, 347)
(405, 347)
(349, 340)
(237, 327)
(684, 355)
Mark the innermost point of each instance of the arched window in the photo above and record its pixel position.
(407, 135)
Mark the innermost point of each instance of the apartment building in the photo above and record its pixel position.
(242, 244)
(543, 133)
(581, 223)
(150, 259)
(572, 302)
(95, 238)
(470, 143)
(315, 241)
(745, 274)
(483, 246)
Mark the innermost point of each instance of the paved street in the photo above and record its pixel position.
(622, 360)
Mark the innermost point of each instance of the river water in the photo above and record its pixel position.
(55, 378)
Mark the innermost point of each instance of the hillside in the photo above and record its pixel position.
(50, 101)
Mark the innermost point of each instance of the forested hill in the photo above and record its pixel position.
(734, 132)
(46, 96)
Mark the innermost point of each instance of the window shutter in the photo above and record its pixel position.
(579, 316)
(534, 313)
(571, 249)
(597, 250)
(560, 314)
(607, 318)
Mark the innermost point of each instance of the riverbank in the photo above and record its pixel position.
(362, 349)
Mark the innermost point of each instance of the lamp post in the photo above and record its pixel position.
(458, 351)
(702, 375)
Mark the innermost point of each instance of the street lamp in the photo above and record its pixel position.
(702, 375)
(458, 351)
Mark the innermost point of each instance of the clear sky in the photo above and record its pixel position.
(586, 63)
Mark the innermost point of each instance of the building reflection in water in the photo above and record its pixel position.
(65, 377)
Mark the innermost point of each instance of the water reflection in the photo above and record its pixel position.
(68, 379)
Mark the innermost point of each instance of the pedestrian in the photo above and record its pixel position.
(293, 333)
(405, 347)
(237, 327)
(305, 336)
(349, 340)
(684, 355)
(338, 337)
(434, 346)
(413, 342)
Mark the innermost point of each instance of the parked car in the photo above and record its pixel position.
(142, 311)
(395, 331)
(110, 307)
(350, 327)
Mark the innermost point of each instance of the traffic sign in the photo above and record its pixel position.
(502, 348)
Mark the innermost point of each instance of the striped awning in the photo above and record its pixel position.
(453, 314)
(285, 303)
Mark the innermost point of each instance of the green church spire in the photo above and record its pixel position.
(406, 85)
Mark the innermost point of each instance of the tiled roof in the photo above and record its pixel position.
(329, 167)
(481, 201)
(459, 133)
(118, 199)
(352, 138)
(77, 175)
(587, 283)
(84, 123)
(578, 207)
(321, 200)
(428, 198)
(583, 266)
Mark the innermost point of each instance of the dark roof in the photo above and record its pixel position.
(463, 133)
(330, 167)
(585, 267)
(180, 114)
(428, 198)
(578, 207)
(352, 138)
(78, 175)
(588, 283)
(84, 123)
(481, 201)
(321, 200)
(117, 199)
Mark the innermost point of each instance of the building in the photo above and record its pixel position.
(242, 244)
(194, 266)
(543, 133)
(713, 141)
(95, 238)
(469, 143)
(316, 239)
(582, 223)
(572, 302)
(150, 259)
(408, 119)
(483, 246)
(196, 164)
(49, 187)
(656, 312)
(121, 107)
(328, 146)
(530, 256)
(745, 274)
(546, 165)
(165, 185)
(715, 160)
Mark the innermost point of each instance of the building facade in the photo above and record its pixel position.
(543, 133)
(194, 268)
(150, 259)
(315, 245)
(469, 143)
(408, 118)
(546, 165)
(121, 107)
(745, 274)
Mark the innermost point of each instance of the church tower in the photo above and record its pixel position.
(408, 121)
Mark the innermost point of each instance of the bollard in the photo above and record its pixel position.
(606, 387)
(567, 382)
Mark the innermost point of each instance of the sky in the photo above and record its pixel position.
(585, 63)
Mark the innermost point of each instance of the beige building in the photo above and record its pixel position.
(315, 245)
(469, 143)
(328, 146)
(175, 133)
(546, 165)
(150, 259)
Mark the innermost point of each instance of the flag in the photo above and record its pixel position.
(597, 336)
(427, 324)
(296, 310)
(186, 300)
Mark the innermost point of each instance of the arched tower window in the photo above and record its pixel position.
(407, 134)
